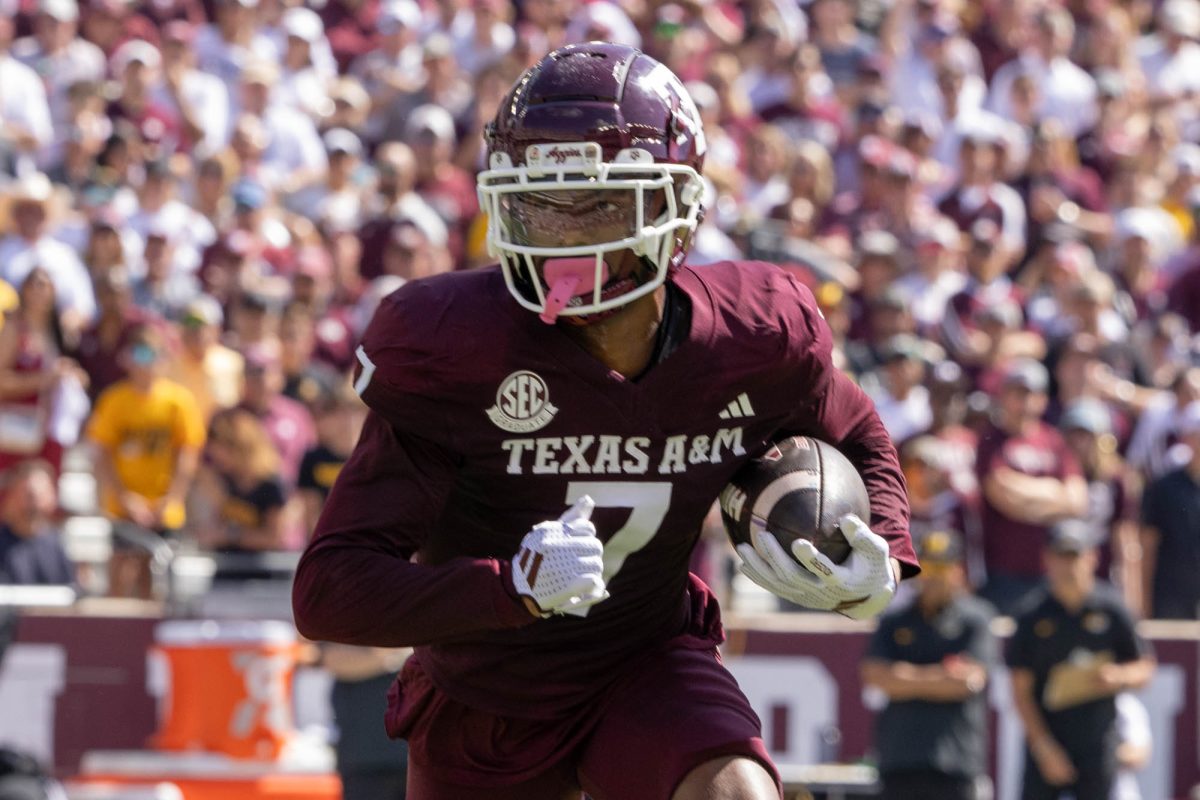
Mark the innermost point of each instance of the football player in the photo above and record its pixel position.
(544, 442)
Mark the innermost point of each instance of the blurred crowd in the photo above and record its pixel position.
(996, 204)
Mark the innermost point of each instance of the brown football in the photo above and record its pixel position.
(798, 489)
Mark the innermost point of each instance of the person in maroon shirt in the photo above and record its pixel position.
(1030, 479)
(288, 423)
(578, 654)
(99, 347)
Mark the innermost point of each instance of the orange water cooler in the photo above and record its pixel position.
(226, 726)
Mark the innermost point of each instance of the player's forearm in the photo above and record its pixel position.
(354, 594)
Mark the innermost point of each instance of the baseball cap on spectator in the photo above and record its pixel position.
(202, 310)
(1181, 17)
(111, 8)
(925, 122)
(259, 358)
(1110, 83)
(984, 232)
(947, 375)
(1185, 157)
(106, 217)
(432, 119)
(1025, 373)
(942, 232)
(242, 3)
(349, 91)
(161, 228)
(248, 194)
(396, 15)
(940, 28)
(255, 302)
(1074, 257)
(602, 20)
(135, 51)
(875, 150)
(1087, 414)
(1003, 311)
(1071, 536)
(703, 95)
(340, 140)
(303, 23)
(438, 45)
(179, 30)
(940, 547)
(260, 72)
(59, 10)
(1095, 287)
(981, 128)
(901, 347)
(902, 164)
(892, 298)
(116, 279)
(878, 244)
(313, 262)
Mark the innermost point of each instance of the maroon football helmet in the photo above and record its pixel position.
(597, 149)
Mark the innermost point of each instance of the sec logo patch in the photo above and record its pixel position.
(522, 403)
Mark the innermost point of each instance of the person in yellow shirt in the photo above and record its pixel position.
(212, 371)
(148, 433)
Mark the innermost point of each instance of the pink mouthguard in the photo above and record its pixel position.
(567, 278)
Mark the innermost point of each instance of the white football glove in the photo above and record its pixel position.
(561, 562)
(860, 587)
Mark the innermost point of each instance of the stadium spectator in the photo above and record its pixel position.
(31, 211)
(240, 487)
(31, 550)
(900, 395)
(1154, 448)
(1029, 479)
(1074, 650)
(1170, 518)
(931, 659)
(1113, 495)
(302, 84)
(26, 124)
(199, 100)
(207, 368)
(339, 415)
(100, 347)
(33, 368)
(288, 423)
(147, 434)
(60, 58)
(394, 201)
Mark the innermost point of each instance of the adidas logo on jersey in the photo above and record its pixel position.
(738, 409)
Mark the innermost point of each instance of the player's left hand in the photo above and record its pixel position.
(860, 587)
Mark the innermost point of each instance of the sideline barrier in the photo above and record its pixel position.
(799, 670)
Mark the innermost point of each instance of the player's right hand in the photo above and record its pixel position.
(560, 564)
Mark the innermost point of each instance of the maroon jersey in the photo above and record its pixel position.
(1013, 547)
(485, 421)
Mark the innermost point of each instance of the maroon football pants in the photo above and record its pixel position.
(679, 709)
